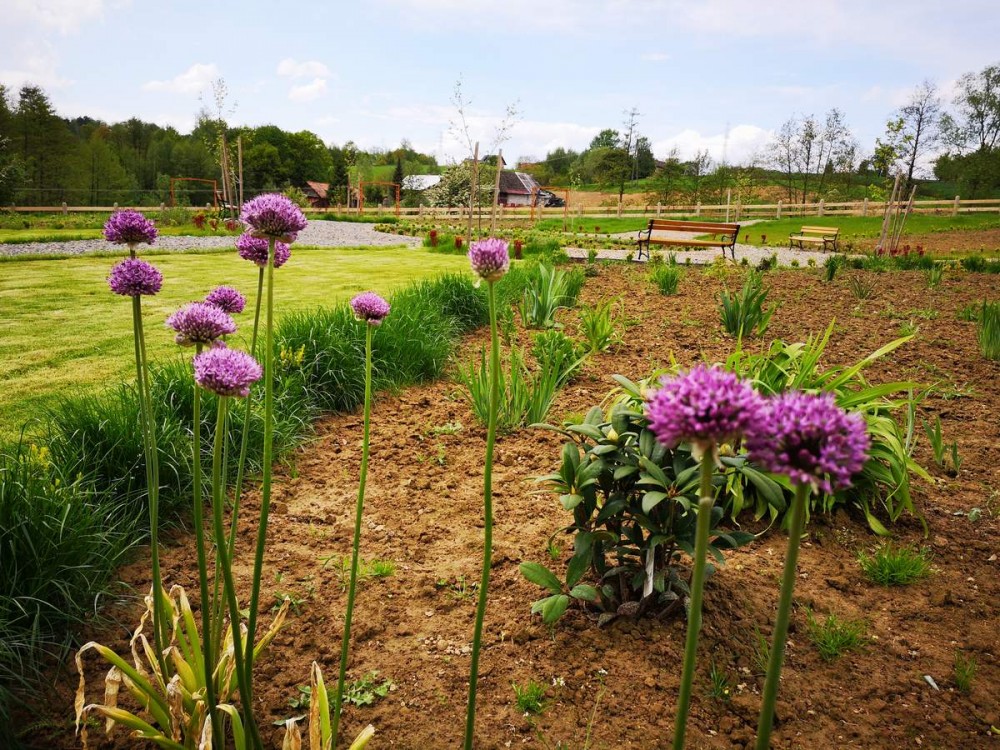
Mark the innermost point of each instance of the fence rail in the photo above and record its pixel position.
(732, 212)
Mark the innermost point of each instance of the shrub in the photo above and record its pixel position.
(744, 314)
(889, 565)
(988, 330)
(666, 277)
(601, 325)
(548, 290)
(974, 263)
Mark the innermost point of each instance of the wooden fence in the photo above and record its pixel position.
(731, 212)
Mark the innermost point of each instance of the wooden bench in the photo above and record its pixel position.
(825, 236)
(724, 235)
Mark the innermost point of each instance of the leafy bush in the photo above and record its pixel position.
(974, 263)
(988, 330)
(744, 314)
(885, 478)
(548, 290)
(666, 277)
(634, 510)
(602, 325)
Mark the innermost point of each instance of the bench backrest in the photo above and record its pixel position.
(701, 227)
(826, 231)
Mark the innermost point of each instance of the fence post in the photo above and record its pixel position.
(64, 208)
(954, 210)
(163, 207)
(659, 208)
(619, 206)
(864, 207)
(697, 209)
(821, 208)
(778, 214)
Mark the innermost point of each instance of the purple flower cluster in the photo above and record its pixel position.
(489, 258)
(254, 249)
(705, 406)
(273, 215)
(200, 323)
(812, 440)
(128, 227)
(225, 371)
(133, 278)
(370, 308)
(227, 299)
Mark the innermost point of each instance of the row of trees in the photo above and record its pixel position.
(46, 159)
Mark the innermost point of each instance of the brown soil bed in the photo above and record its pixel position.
(415, 628)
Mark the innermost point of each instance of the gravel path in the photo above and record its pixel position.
(319, 233)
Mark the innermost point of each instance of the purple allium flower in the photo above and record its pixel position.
(370, 308)
(200, 323)
(225, 371)
(706, 406)
(227, 299)
(133, 277)
(128, 227)
(254, 249)
(273, 215)
(489, 258)
(812, 440)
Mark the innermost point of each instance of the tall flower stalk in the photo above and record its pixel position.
(819, 447)
(706, 407)
(490, 261)
(274, 218)
(136, 278)
(372, 310)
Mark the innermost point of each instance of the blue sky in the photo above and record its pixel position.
(378, 71)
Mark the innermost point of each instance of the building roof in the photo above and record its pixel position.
(316, 188)
(516, 183)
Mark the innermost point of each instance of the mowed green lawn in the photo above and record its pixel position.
(62, 331)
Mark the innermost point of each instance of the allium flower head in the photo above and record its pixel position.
(133, 277)
(200, 323)
(128, 227)
(812, 440)
(273, 215)
(706, 406)
(254, 249)
(489, 258)
(227, 299)
(225, 371)
(370, 308)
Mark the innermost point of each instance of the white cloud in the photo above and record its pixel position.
(193, 80)
(291, 68)
(63, 15)
(37, 64)
(307, 92)
(656, 57)
(743, 141)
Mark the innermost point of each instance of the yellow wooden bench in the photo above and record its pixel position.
(824, 236)
(724, 235)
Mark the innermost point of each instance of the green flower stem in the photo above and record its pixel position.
(491, 435)
(225, 562)
(705, 504)
(777, 656)
(265, 490)
(147, 425)
(358, 511)
(238, 490)
(199, 532)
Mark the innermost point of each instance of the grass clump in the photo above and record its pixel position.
(988, 330)
(834, 636)
(666, 277)
(890, 565)
(965, 671)
(744, 313)
(530, 698)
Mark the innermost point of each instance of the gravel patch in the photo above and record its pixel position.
(318, 233)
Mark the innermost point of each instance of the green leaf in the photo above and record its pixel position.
(767, 488)
(554, 608)
(654, 471)
(651, 499)
(578, 565)
(625, 471)
(541, 576)
(585, 592)
(570, 501)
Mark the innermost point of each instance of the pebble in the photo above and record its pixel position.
(317, 233)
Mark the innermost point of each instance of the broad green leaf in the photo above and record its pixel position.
(585, 592)
(554, 608)
(540, 576)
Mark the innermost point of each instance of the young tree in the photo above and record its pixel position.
(920, 118)
(976, 123)
(607, 138)
(397, 173)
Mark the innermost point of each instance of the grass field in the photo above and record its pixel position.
(63, 331)
(13, 236)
